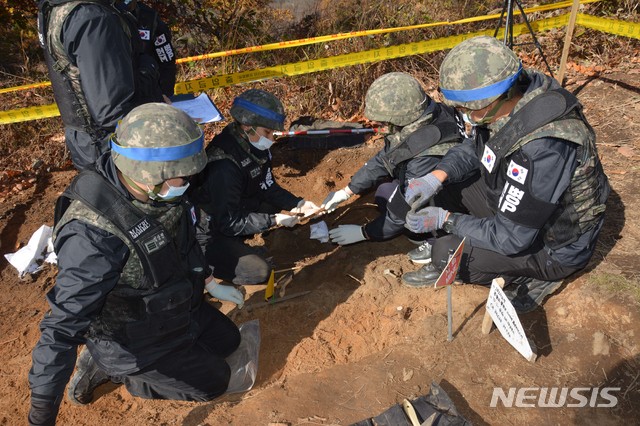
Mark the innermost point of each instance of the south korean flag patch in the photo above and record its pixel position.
(488, 158)
(160, 40)
(516, 172)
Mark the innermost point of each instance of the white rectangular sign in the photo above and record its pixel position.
(506, 320)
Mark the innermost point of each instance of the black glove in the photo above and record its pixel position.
(43, 412)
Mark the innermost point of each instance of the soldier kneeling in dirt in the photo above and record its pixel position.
(534, 215)
(421, 131)
(131, 276)
(238, 192)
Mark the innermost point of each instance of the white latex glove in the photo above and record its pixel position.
(287, 220)
(225, 292)
(334, 198)
(346, 234)
(307, 208)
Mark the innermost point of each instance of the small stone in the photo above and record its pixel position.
(390, 272)
(406, 374)
(601, 344)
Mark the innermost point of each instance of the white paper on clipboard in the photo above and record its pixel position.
(200, 108)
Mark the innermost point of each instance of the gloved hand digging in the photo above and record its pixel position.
(287, 220)
(426, 220)
(421, 190)
(335, 198)
(347, 234)
(307, 208)
(225, 292)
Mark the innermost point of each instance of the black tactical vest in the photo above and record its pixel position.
(433, 136)
(162, 283)
(232, 146)
(555, 113)
(65, 76)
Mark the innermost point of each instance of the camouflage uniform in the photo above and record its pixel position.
(537, 210)
(131, 276)
(421, 132)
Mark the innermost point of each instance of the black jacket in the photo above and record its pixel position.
(391, 223)
(550, 164)
(116, 74)
(238, 190)
(90, 262)
(157, 43)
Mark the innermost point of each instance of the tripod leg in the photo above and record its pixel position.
(504, 9)
(533, 36)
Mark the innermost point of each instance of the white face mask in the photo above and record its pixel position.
(172, 193)
(263, 143)
(466, 117)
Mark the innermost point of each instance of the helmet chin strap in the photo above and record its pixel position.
(490, 115)
(156, 189)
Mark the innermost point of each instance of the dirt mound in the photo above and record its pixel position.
(360, 341)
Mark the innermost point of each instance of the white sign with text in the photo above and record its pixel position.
(506, 320)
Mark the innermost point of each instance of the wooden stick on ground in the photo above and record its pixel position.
(567, 39)
(487, 321)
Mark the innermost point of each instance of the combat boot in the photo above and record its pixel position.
(87, 377)
(526, 294)
(423, 277)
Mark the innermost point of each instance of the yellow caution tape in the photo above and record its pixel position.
(611, 26)
(333, 37)
(25, 87)
(30, 113)
(341, 36)
(349, 59)
(306, 67)
(628, 29)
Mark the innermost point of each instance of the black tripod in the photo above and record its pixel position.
(507, 9)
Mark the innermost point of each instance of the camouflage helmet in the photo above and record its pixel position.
(256, 107)
(478, 71)
(395, 98)
(156, 142)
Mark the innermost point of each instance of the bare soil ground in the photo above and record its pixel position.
(360, 341)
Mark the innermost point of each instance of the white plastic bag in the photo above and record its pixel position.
(28, 259)
(244, 361)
